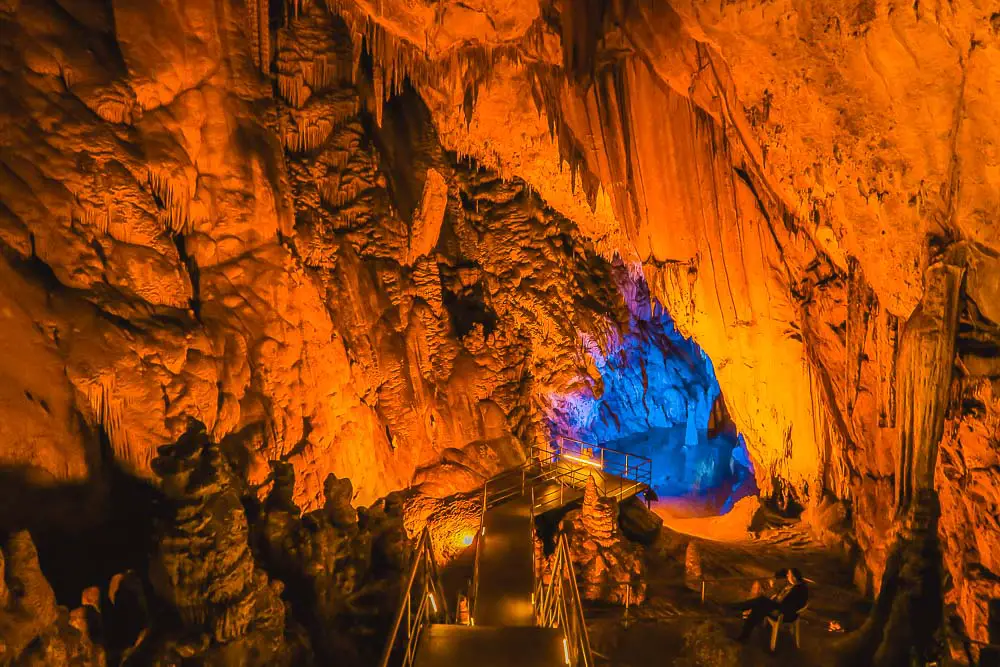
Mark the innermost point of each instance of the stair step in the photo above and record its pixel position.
(489, 646)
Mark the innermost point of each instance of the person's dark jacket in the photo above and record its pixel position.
(794, 601)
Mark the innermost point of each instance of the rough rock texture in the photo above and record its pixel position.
(312, 288)
(786, 173)
(237, 216)
(655, 397)
(33, 629)
(222, 608)
(343, 567)
(608, 566)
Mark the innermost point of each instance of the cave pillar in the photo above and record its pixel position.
(923, 380)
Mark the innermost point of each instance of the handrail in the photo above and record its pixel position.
(626, 465)
(558, 605)
(426, 608)
(480, 536)
(606, 449)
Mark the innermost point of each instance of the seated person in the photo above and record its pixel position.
(787, 600)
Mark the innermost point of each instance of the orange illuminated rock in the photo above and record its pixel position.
(241, 217)
(608, 566)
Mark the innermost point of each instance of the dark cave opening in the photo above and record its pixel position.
(468, 309)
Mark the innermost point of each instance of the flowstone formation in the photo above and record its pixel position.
(608, 566)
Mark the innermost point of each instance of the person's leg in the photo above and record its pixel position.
(760, 610)
(749, 604)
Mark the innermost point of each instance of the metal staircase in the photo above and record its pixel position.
(518, 615)
(423, 602)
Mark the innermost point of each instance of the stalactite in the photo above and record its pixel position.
(109, 410)
(924, 373)
(396, 60)
(175, 213)
(293, 89)
(860, 304)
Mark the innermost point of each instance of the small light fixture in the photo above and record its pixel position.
(433, 602)
(466, 540)
(566, 649)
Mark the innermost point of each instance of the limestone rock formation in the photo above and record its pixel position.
(342, 566)
(358, 237)
(637, 522)
(777, 171)
(33, 629)
(202, 571)
(607, 565)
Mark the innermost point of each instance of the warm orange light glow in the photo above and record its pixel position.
(566, 649)
(433, 602)
(588, 462)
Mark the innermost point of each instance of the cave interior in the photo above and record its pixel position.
(301, 301)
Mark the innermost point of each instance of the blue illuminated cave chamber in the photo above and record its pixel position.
(658, 396)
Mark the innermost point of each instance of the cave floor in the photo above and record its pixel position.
(673, 627)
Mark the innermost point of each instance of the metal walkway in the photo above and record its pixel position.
(481, 646)
(506, 567)
(518, 616)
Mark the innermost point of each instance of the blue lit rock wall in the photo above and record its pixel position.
(655, 396)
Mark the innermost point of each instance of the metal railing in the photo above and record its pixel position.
(480, 537)
(569, 464)
(422, 601)
(619, 474)
(557, 605)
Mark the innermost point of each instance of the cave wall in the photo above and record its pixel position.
(297, 263)
(181, 241)
(789, 175)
